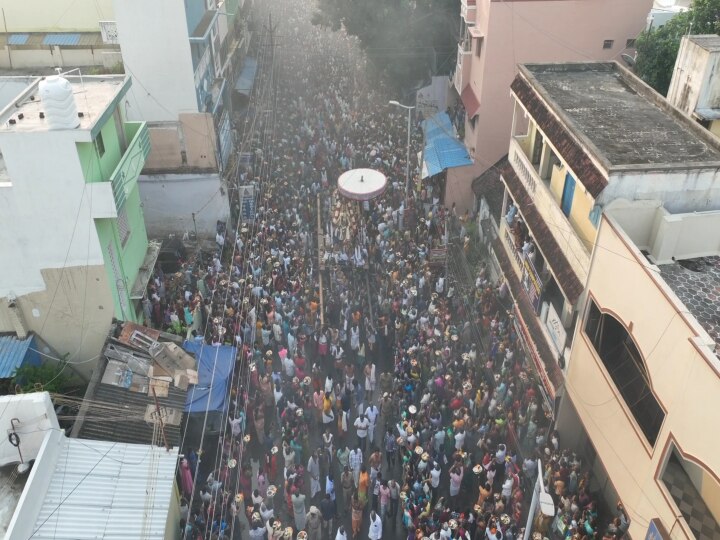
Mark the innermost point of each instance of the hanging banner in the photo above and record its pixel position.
(432, 99)
(246, 194)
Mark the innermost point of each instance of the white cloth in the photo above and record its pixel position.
(375, 529)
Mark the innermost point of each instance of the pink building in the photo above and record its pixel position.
(497, 35)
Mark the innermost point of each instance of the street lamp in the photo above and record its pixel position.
(409, 109)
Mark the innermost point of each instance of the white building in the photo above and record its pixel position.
(187, 106)
(695, 85)
(73, 244)
(79, 488)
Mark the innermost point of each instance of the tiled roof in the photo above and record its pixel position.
(489, 185)
(570, 151)
(566, 278)
(529, 317)
(697, 283)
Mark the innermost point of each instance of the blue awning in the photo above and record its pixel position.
(442, 148)
(16, 352)
(210, 393)
(18, 39)
(61, 39)
(244, 83)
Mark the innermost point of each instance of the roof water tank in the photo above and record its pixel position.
(58, 101)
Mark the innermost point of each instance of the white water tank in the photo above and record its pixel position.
(58, 101)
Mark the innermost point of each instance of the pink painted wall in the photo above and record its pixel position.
(526, 31)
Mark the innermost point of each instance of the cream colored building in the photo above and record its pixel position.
(62, 33)
(498, 35)
(644, 372)
(695, 85)
(584, 135)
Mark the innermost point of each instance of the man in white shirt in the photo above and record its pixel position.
(460, 439)
(372, 413)
(375, 529)
(362, 424)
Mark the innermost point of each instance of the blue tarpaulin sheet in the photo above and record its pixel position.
(244, 83)
(16, 352)
(202, 396)
(442, 149)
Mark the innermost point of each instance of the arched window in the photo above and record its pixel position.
(625, 365)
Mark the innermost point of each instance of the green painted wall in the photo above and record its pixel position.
(95, 167)
(128, 257)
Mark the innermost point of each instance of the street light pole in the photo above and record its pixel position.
(409, 109)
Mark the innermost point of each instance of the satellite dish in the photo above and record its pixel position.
(629, 60)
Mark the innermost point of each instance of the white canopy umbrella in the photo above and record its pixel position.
(362, 184)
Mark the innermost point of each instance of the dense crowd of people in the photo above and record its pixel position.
(392, 399)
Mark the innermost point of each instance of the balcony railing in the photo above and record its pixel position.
(462, 70)
(468, 10)
(567, 238)
(125, 175)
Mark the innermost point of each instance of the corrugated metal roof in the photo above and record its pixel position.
(18, 39)
(132, 405)
(13, 353)
(107, 490)
(61, 39)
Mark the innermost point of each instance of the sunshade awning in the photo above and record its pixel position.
(470, 101)
(245, 81)
(442, 149)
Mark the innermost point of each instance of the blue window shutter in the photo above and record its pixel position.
(595, 214)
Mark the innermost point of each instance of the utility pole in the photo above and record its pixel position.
(160, 420)
(320, 274)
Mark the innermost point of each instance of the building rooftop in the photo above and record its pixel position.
(697, 283)
(96, 489)
(627, 122)
(122, 382)
(93, 96)
(709, 42)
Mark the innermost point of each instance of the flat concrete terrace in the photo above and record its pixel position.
(628, 123)
(93, 95)
(697, 283)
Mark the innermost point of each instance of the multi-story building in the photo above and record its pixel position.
(73, 243)
(65, 33)
(583, 136)
(497, 35)
(187, 104)
(695, 88)
(644, 372)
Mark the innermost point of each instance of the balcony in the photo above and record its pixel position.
(534, 340)
(468, 10)
(124, 177)
(549, 209)
(461, 78)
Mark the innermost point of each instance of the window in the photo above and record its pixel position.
(626, 368)
(630, 43)
(478, 47)
(608, 43)
(691, 486)
(100, 145)
(123, 226)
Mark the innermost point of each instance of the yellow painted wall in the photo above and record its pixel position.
(56, 15)
(710, 493)
(579, 215)
(715, 128)
(557, 181)
(684, 382)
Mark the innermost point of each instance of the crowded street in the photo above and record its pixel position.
(377, 392)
